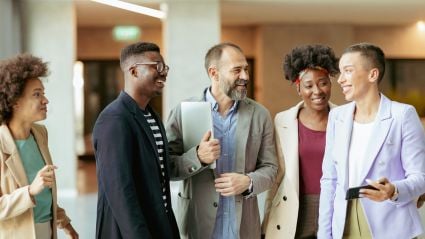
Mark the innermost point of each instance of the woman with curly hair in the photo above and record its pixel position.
(28, 207)
(292, 205)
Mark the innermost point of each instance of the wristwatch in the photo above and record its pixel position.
(395, 195)
(250, 188)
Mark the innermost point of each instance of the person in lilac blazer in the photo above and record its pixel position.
(371, 140)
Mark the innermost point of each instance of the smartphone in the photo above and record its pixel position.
(353, 193)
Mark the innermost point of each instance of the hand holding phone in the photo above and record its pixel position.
(353, 193)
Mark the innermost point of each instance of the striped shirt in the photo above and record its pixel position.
(160, 147)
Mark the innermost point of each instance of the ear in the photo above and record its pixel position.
(298, 89)
(213, 73)
(373, 75)
(15, 106)
(133, 72)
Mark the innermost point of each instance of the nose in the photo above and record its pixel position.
(341, 78)
(244, 75)
(316, 90)
(165, 71)
(45, 100)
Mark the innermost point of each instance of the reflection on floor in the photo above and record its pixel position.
(81, 208)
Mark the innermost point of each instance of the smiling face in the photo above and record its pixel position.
(32, 105)
(232, 74)
(315, 89)
(356, 78)
(146, 79)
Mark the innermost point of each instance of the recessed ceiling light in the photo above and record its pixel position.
(421, 26)
(133, 8)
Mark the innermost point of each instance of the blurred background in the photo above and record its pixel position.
(82, 39)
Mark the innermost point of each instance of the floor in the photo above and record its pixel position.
(81, 208)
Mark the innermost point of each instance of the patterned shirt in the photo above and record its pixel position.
(160, 147)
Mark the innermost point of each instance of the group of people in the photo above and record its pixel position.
(308, 159)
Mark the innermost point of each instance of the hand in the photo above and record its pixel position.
(44, 178)
(230, 184)
(70, 231)
(421, 201)
(385, 190)
(209, 149)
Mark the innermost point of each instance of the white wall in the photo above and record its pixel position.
(50, 33)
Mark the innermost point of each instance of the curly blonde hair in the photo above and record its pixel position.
(14, 74)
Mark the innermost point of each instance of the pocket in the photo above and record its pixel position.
(182, 212)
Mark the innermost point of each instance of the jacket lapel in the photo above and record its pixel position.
(12, 159)
(343, 130)
(245, 112)
(380, 131)
(141, 120)
(289, 144)
(42, 145)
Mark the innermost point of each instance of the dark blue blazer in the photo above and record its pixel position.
(130, 203)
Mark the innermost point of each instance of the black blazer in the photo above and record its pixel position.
(130, 201)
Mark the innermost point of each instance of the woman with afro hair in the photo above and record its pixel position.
(28, 206)
(292, 205)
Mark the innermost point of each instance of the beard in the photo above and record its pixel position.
(231, 89)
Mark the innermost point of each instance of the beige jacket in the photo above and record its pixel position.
(16, 213)
(282, 202)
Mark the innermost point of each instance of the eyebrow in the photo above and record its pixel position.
(240, 67)
(347, 66)
(38, 89)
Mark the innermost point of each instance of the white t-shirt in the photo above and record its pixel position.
(360, 138)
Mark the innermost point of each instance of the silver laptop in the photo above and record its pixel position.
(196, 121)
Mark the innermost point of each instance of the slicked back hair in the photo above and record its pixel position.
(373, 54)
(214, 53)
(136, 49)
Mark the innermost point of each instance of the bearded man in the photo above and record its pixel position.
(221, 202)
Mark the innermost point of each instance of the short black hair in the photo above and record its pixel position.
(373, 54)
(215, 52)
(136, 49)
(309, 56)
(14, 75)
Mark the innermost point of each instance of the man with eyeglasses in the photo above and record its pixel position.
(221, 203)
(131, 152)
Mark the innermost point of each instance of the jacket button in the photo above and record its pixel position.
(284, 198)
(278, 227)
(215, 204)
(192, 169)
(180, 194)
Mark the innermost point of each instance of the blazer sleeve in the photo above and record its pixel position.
(182, 164)
(273, 192)
(113, 142)
(15, 203)
(412, 157)
(265, 173)
(327, 183)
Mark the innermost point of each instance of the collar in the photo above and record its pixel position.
(214, 105)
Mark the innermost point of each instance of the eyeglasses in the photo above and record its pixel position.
(160, 66)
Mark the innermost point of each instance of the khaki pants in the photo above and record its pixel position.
(43, 230)
(356, 226)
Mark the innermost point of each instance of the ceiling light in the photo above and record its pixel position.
(133, 8)
(421, 26)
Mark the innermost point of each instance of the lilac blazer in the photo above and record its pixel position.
(396, 151)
